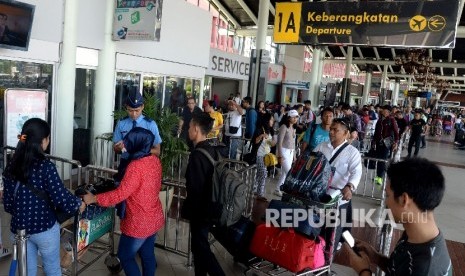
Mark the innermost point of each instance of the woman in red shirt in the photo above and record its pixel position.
(140, 187)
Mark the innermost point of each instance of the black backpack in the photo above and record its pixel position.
(228, 200)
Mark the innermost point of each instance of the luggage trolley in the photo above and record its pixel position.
(264, 267)
(93, 230)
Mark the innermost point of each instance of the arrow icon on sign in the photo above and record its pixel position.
(436, 23)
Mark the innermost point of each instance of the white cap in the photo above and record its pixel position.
(293, 113)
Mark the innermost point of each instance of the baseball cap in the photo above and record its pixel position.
(134, 99)
(293, 113)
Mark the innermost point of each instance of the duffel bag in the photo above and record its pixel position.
(236, 239)
(287, 213)
(287, 249)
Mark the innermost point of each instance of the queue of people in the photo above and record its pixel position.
(139, 176)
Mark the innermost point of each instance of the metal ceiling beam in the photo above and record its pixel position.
(223, 10)
(248, 11)
(272, 9)
(252, 32)
(377, 56)
(391, 62)
(441, 77)
(329, 52)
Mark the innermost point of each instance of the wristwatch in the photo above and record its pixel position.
(351, 187)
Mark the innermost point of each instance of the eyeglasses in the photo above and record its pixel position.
(343, 122)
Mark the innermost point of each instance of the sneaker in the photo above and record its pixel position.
(278, 193)
(4, 252)
(339, 246)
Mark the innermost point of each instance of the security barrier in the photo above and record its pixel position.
(70, 171)
(367, 188)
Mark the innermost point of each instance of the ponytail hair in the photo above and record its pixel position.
(28, 150)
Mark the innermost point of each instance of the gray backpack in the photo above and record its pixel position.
(228, 200)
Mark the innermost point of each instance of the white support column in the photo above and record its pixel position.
(64, 96)
(263, 12)
(316, 97)
(395, 92)
(105, 79)
(314, 85)
(384, 77)
(367, 87)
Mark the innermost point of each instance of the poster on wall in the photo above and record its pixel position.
(21, 105)
(137, 20)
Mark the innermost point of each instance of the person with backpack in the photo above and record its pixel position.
(348, 168)
(318, 133)
(197, 205)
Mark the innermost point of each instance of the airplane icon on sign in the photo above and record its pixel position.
(417, 23)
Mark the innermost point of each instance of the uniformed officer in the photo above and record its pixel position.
(134, 106)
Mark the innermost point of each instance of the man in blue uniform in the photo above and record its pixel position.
(134, 107)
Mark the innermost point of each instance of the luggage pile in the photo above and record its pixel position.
(292, 237)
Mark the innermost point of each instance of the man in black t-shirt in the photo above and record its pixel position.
(417, 127)
(415, 187)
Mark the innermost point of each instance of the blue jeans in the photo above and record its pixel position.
(46, 243)
(127, 249)
(234, 144)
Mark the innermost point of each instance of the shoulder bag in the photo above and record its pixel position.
(60, 215)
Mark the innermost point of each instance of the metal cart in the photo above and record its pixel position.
(93, 230)
(263, 267)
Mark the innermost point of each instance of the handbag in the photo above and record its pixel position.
(60, 215)
(388, 141)
(270, 160)
(287, 249)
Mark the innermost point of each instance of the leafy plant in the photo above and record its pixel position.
(172, 146)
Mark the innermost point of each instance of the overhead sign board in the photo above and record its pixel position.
(227, 65)
(420, 24)
(137, 20)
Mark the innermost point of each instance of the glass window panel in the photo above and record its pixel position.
(124, 83)
(175, 93)
(153, 85)
(20, 74)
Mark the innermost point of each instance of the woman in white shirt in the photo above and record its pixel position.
(264, 140)
(286, 146)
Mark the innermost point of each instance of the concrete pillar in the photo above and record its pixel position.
(64, 96)
(367, 87)
(263, 12)
(395, 92)
(105, 79)
(314, 84)
(384, 77)
(316, 97)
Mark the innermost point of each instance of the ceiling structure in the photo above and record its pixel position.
(450, 64)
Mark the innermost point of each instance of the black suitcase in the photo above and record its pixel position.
(236, 239)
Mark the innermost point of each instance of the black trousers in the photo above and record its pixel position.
(204, 259)
(382, 152)
(423, 140)
(345, 216)
(414, 140)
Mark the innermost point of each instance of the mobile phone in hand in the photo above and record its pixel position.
(350, 241)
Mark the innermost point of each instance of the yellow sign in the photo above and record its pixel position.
(436, 23)
(417, 23)
(287, 22)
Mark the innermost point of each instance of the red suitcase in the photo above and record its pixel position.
(287, 249)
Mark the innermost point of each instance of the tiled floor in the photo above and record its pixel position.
(450, 217)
